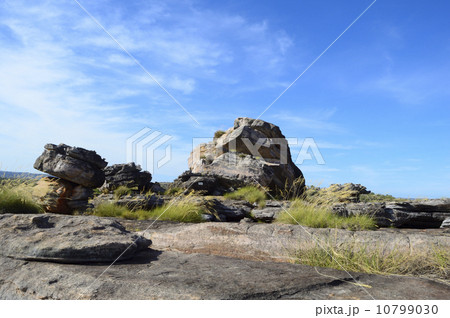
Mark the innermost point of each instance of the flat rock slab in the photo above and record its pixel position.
(171, 275)
(66, 239)
(278, 242)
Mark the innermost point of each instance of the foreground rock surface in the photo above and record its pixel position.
(251, 152)
(74, 164)
(66, 239)
(171, 275)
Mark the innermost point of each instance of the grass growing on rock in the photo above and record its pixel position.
(250, 194)
(312, 215)
(15, 197)
(183, 211)
(378, 260)
(121, 191)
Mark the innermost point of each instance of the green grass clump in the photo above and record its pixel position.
(110, 210)
(15, 197)
(174, 191)
(378, 260)
(312, 215)
(250, 194)
(219, 134)
(188, 212)
(121, 191)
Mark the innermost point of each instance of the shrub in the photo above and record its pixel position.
(377, 259)
(250, 194)
(312, 215)
(219, 134)
(15, 197)
(121, 191)
(373, 197)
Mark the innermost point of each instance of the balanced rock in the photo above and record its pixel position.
(128, 174)
(67, 239)
(73, 164)
(251, 152)
(60, 196)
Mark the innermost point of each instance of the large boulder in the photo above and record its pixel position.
(60, 196)
(74, 164)
(251, 152)
(127, 174)
(67, 239)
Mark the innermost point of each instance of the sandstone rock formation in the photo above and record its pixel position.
(251, 152)
(279, 242)
(60, 196)
(128, 174)
(423, 214)
(73, 164)
(66, 239)
(446, 223)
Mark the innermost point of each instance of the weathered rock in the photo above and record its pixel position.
(60, 196)
(73, 164)
(170, 275)
(280, 242)
(424, 214)
(133, 202)
(252, 152)
(446, 223)
(231, 210)
(270, 212)
(67, 239)
(129, 175)
(155, 187)
(209, 185)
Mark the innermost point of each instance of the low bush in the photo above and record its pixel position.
(312, 215)
(219, 134)
(250, 194)
(373, 197)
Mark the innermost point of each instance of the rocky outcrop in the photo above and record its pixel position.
(446, 224)
(67, 239)
(129, 175)
(271, 210)
(251, 152)
(73, 164)
(411, 214)
(60, 196)
(335, 193)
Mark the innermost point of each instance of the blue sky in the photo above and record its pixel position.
(377, 102)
